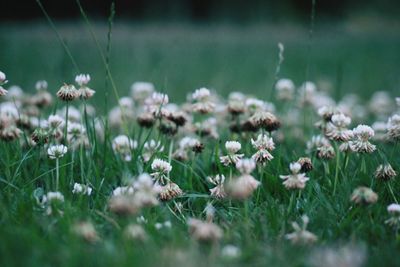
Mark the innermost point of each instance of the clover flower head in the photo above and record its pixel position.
(56, 151)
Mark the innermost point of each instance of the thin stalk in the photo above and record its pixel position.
(66, 122)
(336, 169)
(391, 192)
(50, 21)
(57, 173)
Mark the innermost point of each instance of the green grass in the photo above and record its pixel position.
(179, 59)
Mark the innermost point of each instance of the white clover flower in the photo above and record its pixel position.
(82, 79)
(394, 208)
(245, 166)
(295, 167)
(337, 128)
(362, 134)
(232, 158)
(55, 121)
(231, 252)
(82, 189)
(219, 190)
(254, 104)
(341, 120)
(150, 148)
(394, 220)
(160, 165)
(263, 141)
(161, 170)
(381, 103)
(141, 90)
(146, 191)
(201, 94)
(155, 104)
(232, 146)
(123, 145)
(301, 235)
(307, 93)
(316, 142)
(393, 127)
(54, 196)
(202, 101)
(296, 180)
(285, 89)
(15, 93)
(56, 151)
(157, 99)
(3, 78)
(41, 85)
(123, 190)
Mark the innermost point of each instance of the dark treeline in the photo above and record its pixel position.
(200, 10)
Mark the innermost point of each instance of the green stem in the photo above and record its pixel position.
(336, 170)
(391, 192)
(57, 173)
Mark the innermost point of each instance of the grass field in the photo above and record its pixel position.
(178, 59)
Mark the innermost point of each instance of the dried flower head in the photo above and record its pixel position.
(265, 120)
(170, 191)
(219, 190)
(363, 195)
(385, 172)
(67, 92)
(306, 164)
(393, 127)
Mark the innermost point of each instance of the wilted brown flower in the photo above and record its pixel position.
(306, 164)
(67, 92)
(385, 172)
(170, 191)
(146, 120)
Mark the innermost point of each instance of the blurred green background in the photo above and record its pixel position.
(352, 49)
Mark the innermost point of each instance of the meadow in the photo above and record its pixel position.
(116, 215)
